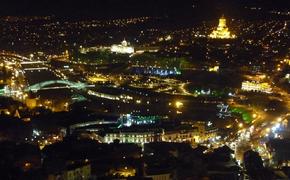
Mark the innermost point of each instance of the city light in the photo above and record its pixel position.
(214, 69)
(178, 104)
(122, 48)
(255, 115)
(79, 101)
(256, 87)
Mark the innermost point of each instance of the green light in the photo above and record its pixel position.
(246, 116)
(2, 92)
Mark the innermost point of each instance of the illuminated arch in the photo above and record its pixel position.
(42, 85)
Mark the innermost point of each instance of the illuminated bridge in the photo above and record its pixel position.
(47, 85)
(17, 56)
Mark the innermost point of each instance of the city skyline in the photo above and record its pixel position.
(153, 89)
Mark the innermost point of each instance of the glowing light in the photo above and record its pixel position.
(168, 38)
(209, 123)
(178, 104)
(123, 48)
(222, 31)
(36, 132)
(287, 61)
(256, 87)
(255, 115)
(228, 126)
(276, 127)
(214, 69)
(97, 78)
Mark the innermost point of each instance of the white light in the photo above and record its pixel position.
(36, 132)
(209, 123)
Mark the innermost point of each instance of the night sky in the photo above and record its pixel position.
(123, 8)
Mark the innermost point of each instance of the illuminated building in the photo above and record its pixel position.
(256, 87)
(129, 120)
(190, 135)
(123, 48)
(31, 102)
(222, 31)
(134, 136)
(184, 133)
(214, 69)
(203, 131)
(123, 172)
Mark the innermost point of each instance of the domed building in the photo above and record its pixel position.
(123, 48)
(222, 31)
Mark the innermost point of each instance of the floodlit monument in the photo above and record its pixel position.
(222, 31)
(256, 87)
(123, 48)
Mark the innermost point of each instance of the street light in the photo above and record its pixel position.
(255, 115)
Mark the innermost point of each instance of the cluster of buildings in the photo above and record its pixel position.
(138, 136)
(87, 159)
(123, 48)
(193, 133)
(117, 150)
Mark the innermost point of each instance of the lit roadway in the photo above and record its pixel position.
(262, 126)
(18, 85)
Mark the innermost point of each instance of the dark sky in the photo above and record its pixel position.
(115, 8)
